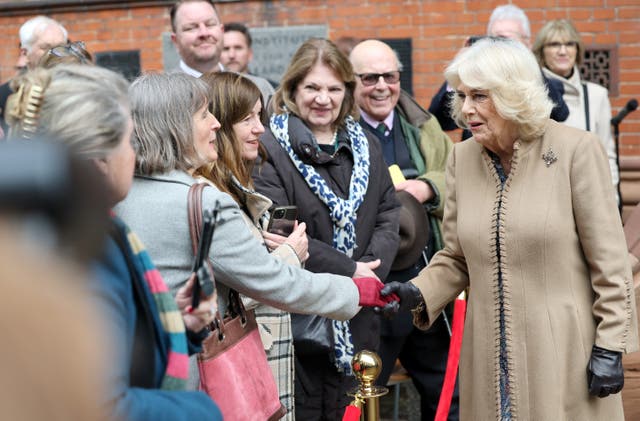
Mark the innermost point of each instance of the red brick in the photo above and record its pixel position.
(629, 12)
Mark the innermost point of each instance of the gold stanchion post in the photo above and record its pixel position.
(366, 367)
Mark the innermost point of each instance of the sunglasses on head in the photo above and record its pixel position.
(76, 49)
(370, 79)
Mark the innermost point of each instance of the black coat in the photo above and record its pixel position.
(377, 218)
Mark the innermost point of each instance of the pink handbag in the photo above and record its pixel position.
(233, 366)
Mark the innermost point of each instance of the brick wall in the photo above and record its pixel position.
(437, 28)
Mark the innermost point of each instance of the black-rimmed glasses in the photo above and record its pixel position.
(370, 79)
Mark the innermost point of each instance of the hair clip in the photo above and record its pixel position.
(32, 109)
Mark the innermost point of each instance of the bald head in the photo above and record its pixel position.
(372, 50)
(377, 85)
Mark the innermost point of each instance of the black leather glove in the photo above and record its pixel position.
(604, 372)
(409, 295)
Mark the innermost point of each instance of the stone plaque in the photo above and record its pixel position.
(273, 47)
(170, 57)
(127, 63)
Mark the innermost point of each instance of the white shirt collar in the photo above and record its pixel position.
(193, 72)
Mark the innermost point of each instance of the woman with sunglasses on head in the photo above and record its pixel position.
(560, 51)
(320, 160)
(87, 109)
(70, 53)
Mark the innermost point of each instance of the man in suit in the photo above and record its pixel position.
(412, 139)
(198, 35)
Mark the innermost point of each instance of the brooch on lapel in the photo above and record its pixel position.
(549, 157)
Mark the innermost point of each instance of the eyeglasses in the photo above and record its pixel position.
(558, 45)
(75, 49)
(370, 79)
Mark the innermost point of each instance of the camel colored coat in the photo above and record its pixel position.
(567, 280)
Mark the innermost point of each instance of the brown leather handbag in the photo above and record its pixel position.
(233, 366)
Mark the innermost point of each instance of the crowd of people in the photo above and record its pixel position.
(394, 221)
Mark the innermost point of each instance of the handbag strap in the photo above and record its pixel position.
(194, 211)
(586, 105)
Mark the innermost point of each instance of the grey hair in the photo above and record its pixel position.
(509, 72)
(33, 26)
(509, 12)
(84, 107)
(163, 106)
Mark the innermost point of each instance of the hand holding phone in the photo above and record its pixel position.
(282, 220)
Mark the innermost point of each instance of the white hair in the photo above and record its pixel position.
(33, 26)
(510, 73)
(510, 12)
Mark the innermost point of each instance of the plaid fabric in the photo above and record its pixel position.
(177, 371)
(277, 324)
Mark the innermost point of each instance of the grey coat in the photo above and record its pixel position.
(156, 209)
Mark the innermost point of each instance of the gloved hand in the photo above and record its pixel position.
(409, 297)
(604, 372)
(369, 289)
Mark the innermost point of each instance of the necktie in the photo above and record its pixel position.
(382, 129)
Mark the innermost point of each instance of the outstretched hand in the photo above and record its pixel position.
(369, 289)
(407, 294)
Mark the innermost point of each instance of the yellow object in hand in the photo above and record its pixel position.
(396, 174)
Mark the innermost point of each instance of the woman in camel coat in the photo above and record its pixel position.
(531, 228)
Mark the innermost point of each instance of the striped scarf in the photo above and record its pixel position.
(177, 372)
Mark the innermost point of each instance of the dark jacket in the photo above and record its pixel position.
(5, 91)
(377, 217)
(117, 299)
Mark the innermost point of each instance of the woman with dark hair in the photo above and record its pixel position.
(320, 160)
(175, 134)
(237, 104)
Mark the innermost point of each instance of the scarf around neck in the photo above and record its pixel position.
(177, 371)
(342, 211)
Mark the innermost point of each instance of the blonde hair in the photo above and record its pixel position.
(560, 29)
(509, 72)
(85, 107)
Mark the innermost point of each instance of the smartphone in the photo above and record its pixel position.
(282, 220)
(203, 274)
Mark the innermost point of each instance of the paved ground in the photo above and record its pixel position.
(408, 407)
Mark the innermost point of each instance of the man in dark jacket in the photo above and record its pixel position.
(412, 139)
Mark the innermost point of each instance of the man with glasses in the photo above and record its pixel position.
(412, 139)
(37, 36)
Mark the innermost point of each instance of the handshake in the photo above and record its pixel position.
(387, 299)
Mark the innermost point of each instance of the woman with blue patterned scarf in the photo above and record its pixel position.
(320, 159)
